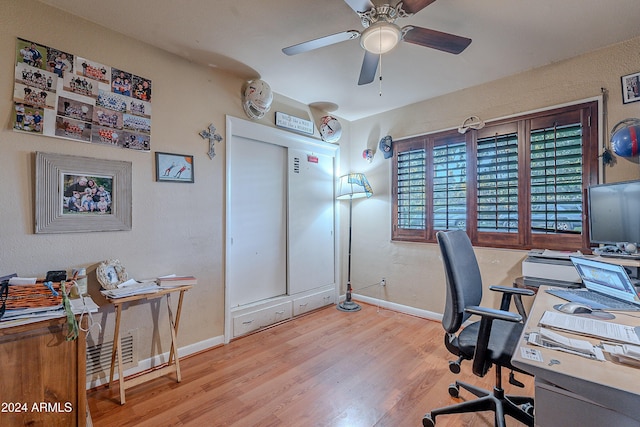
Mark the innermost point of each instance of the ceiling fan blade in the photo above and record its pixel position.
(415, 6)
(321, 42)
(369, 68)
(360, 5)
(436, 39)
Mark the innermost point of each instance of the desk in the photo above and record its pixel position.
(580, 391)
(173, 365)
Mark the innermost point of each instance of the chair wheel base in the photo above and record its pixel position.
(454, 390)
(527, 408)
(427, 421)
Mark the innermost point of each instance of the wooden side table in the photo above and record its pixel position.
(173, 365)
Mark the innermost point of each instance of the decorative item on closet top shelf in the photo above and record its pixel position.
(294, 123)
(330, 129)
(111, 273)
(256, 99)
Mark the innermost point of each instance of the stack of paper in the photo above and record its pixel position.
(130, 288)
(625, 353)
(591, 327)
(551, 340)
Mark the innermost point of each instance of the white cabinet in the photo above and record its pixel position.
(280, 247)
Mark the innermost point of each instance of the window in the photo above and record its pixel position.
(516, 183)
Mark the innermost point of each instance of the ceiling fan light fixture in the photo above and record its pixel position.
(380, 37)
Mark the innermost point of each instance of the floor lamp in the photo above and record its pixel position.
(351, 186)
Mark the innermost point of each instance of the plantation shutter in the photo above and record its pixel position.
(556, 179)
(450, 186)
(409, 185)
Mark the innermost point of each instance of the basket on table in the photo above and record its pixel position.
(33, 296)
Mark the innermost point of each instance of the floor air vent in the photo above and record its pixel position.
(99, 356)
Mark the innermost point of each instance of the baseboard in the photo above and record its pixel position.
(398, 307)
(150, 363)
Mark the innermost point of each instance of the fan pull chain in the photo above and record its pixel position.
(380, 77)
(380, 61)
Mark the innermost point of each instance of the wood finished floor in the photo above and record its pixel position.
(374, 367)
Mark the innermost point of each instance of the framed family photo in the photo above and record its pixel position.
(631, 88)
(174, 167)
(81, 194)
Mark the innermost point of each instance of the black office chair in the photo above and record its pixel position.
(489, 341)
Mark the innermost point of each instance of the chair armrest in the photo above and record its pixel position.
(517, 293)
(481, 362)
(512, 291)
(492, 313)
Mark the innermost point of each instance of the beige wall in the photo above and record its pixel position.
(413, 272)
(179, 228)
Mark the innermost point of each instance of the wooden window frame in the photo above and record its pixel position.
(587, 115)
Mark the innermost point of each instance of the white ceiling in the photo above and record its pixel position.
(246, 36)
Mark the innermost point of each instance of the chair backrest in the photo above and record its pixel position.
(464, 282)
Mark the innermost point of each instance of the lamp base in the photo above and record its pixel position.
(348, 306)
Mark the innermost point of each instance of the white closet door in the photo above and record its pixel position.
(258, 221)
(311, 219)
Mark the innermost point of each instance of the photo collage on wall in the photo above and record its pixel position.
(63, 95)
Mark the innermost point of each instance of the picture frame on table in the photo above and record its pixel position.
(111, 273)
(77, 194)
(630, 88)
(172, 167)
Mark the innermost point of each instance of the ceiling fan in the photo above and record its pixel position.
(381, 34)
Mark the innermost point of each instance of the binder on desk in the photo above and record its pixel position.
(591, 327)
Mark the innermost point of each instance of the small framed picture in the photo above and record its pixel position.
(174, 167)
(631, 88)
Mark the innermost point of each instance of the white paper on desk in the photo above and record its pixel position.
(22, 281)
(590, 327)
(574, 344)
(83, 305)
(621, 354)
(129, 282)
(553, 341)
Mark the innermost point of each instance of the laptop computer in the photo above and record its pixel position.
(608, 287)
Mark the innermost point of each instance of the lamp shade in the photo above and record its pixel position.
(380, 37)
(354, 186)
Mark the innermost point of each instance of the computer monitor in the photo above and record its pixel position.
(614, 213)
